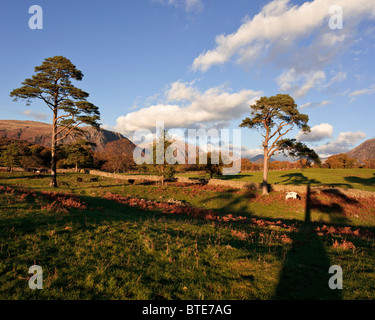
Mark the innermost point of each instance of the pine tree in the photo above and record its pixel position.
(276, 116)
(78, 154)
(163, 157)
(214, 164)
(10, 156)
(52, 84)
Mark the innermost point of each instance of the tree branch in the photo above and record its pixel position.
(63, 116)
(281, 125)
(49, 104)
(62, 98)
(70, 130)
(277, 139)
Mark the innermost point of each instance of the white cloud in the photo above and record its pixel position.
(344, 143)
(337, 77)
(215, 106)
(306, 105)
(315, 104)
(369, 90)
(250, 153)
(35, 115)
(280, 25)
(179, 91)
(318, 133)
(332, 39)
(299, 84)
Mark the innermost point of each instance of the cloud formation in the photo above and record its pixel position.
(315, 104)
(35, 115)
(280, 26)
(344, 143)
(187, 107)
(180, 91)
(369, 90)
(318, 133)
(301, 83)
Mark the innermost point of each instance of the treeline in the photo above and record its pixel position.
(342, 161)
(117, 157)
(15, 153)
(247, 165)
(337, 161)
(20, 153)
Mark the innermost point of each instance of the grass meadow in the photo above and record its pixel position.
(112, 240)
(361, 179)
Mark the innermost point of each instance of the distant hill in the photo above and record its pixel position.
(365, 150)
(181, 150)
(260, 158)
(278, 157)
(40, 133)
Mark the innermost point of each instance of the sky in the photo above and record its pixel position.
(202, 63)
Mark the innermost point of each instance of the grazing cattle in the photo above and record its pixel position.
(292, 195)
(131, 181)
(94, 179)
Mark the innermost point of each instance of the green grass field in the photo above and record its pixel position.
(98, 240)
(362, 179)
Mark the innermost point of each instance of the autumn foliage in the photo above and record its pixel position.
(341, 161)
(117, 156)
(53, 201)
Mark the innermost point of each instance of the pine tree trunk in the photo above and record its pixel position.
(53, 182)
(265, 172)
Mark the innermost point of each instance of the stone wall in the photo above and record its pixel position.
(125, 177)
(354, 193)
(235, 184)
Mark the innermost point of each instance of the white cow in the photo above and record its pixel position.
(292, 195)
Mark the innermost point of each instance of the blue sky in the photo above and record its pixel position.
(201, 63)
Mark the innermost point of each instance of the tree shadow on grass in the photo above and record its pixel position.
(235, 177)
(297, 179)
(305, 271)
(335, 207)
(25, 176)
(97, 219)
(363, 181)
(231, 203)
(304, 275)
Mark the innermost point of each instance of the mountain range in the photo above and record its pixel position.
(260, 158)
(40, 133)
(365, 150)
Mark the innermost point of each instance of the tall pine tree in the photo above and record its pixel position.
(52, 84)
(276, 116)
